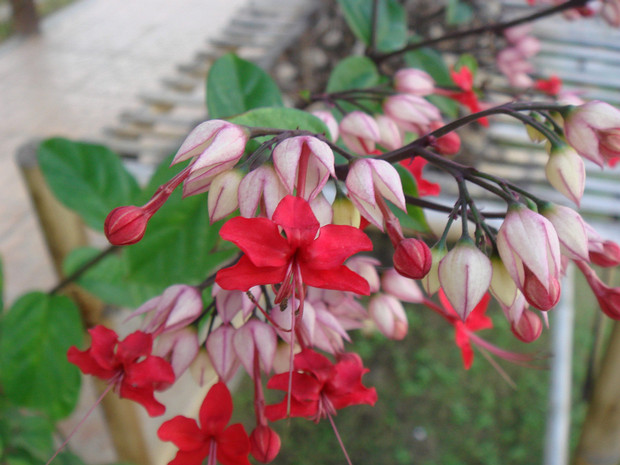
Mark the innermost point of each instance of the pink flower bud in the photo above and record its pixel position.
(260, 187)
(229, 303)
(530, 249)
(566, 172)
(359, 132)
(368, 178)
(179, 347)
(366, 267)
(611, 12)
(414, 81)
(304, 156)
(430, 282)
(411, 112)
(264, 444)
(215, 146)
(223, 195)
(390, 135)
(607, 257)
(221, 352)
(176, 308)
(126, 225)
(528, 328)
(465, 275)
(571, 230)
(412, 258)
(593, 130)
(253, 339)
(401, 287)
(389, 315)
(330, 122)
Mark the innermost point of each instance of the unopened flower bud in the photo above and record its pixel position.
(608, 297)
(571, 230)
(502, 286)
(566, 172)
(223, 195)
(126, 225)
(608, 256)
(430, 282)
(465, 275)
(345, 213)
(264, 444)
(414, 81)
(528, 328)
(359, 132)
(405, 289)
(389, 315)
(391, 136)
(330, 122)
(413, 258)
(448, 144)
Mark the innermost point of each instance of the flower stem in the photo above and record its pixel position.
(344, 450)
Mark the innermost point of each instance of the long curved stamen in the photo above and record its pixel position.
(344, 450)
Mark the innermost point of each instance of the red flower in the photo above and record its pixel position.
(476, 321)
(300, 257)
(464, 79)
(415, 167)
(551, 86)
(229, 446)
(319, 387)
(127, 364)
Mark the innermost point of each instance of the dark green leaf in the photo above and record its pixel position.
(391, 22)
(432, 62)
(354, 72)
(108, 280)
(36, 333)
(281, 118)
(458, 12)
(66, 457)
(414, 218)
(235, 85)
(87, 178)
(446, 105)
(469, 61)
(28, 437)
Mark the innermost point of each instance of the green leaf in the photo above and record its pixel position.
(235, 85)
(281, 118)
(34, 371)
(414, 218)
(467, 60)
(391, 31)
(458, 12)
(108, 280)
(432, 62)
(1, 288)
(353, 72)
(446, 105)
(28, 437)
(87, 178)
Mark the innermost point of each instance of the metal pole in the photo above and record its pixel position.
(558, 419)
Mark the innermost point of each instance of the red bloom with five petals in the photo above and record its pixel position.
(319, 387)
(229, 446)
(128, 364)
(308, 254)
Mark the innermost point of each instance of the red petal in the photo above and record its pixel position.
(216, 410)
(259, 238)
(334, 245)
(297, 219)
(339, 279)
(244, 274)
(346, 388)
(477, 319)
(312, 362)
(144, 396)
(151, 370)
(87, 364)
(305, 387)
(233, 446)
(462, 341)
(279, 411)
(103, 343)
(194, 457)
(183, 432)
(134, 346)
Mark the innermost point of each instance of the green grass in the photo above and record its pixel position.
(432, 411)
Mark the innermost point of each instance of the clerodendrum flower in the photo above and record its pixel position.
(307, 254)
(128, 365)
(228, 445)
(319, 387)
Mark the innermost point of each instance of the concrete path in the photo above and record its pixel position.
(89, 64)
